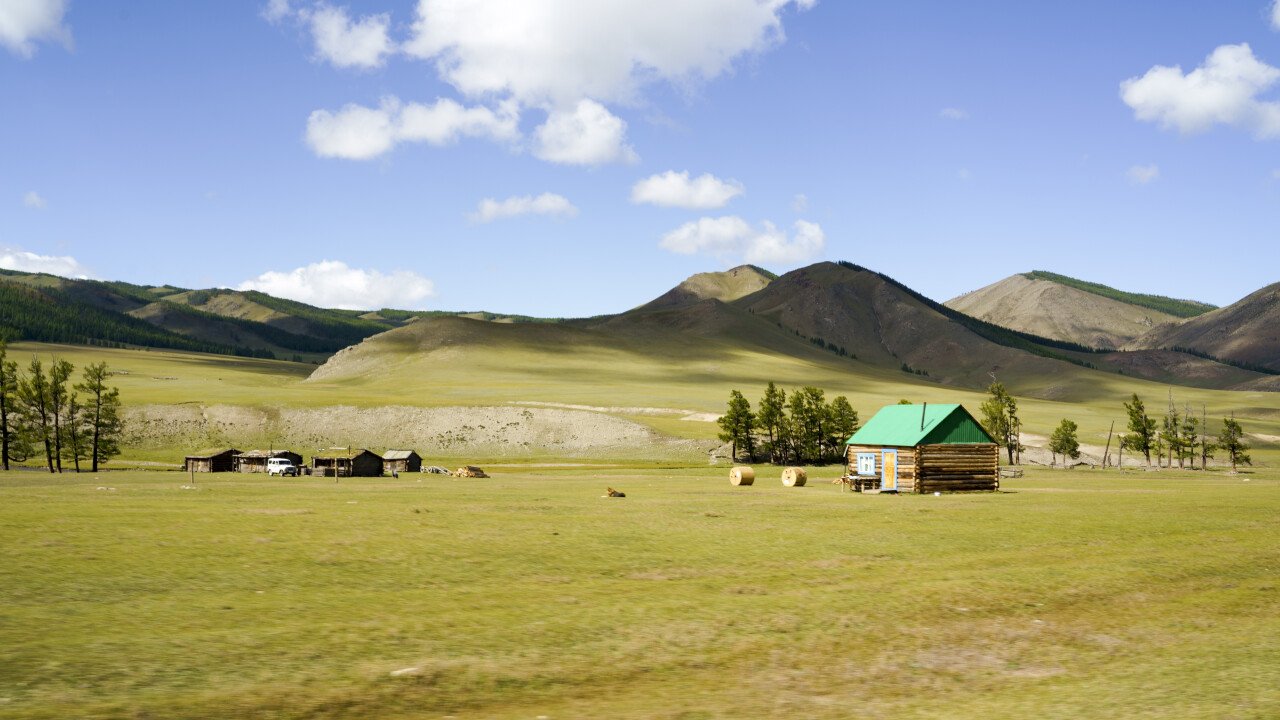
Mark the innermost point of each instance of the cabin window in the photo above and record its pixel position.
(866, 463)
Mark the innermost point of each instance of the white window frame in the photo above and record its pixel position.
(866, 463)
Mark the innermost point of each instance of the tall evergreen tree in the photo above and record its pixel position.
(1190, 431)
(1171, 434)
(1000, 418)
(1231, 439)
(842, 423)
(1206, 448)
(8, 398)
(102, 409)
(1064, 442)
(770, 417)
(75, 434)
(808, 416)
(1142, 429)
(34, 394)
(738, 424)
(59, 374)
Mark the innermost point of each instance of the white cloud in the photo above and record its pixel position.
(555, 52)
(33, 200)
(276, 10)
(1224, 90)
(587, 135)
(800, 203)
(677, 189)
(333, 284)
(346, 43)
(548, 204)
(731, 237)
(64, 265)
(23, 22)
(954, 114)
(357, 132)
(1275, 15)
(1275, 174)
(1143, 174)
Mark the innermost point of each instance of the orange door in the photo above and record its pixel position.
(889, 470)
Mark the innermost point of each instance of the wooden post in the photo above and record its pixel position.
(1107, 453)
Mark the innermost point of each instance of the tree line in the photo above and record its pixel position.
(41, 411)
(1175, 437)
(800, 428)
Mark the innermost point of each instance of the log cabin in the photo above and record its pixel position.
(394, 461)
(255, 461)
(923, 449)
(345, 462)
(210, 461)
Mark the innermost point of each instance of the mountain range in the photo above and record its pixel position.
(1039, 332)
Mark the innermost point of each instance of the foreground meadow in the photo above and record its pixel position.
(1071, 594)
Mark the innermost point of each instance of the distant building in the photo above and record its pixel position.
(401, 461)
(923, 449)
(255, 461)
(221, 460)
(345, 462)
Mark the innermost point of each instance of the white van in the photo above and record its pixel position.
(282, 467)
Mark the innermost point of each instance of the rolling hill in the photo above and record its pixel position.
(1246, 332)
(1063, 308)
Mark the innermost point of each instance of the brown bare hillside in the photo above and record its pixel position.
(1053, 310)
(726, 286)
(1247, 331)
(881, 323)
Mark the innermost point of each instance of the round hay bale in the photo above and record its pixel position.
(794, 477)
(742, 476)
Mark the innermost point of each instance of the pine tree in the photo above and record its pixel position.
(8, 398)
(102, 409)
(34, 394)
(1000, 418)
(1142, 429)
(842, 423)
(1064, 442)
(738, 424)
(1170, 437)
(808, 417)
(770, 417)
(75, 431)
(1190, 430)
(1206, 448)
(59, 373)
(1231, 439)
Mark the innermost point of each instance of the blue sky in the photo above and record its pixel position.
(341, 153)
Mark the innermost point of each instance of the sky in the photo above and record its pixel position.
(564, 158)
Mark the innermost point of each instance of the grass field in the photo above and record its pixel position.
(671, 377)
(1071, 595)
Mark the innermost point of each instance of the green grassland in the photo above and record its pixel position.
(694, 375)
(1070, 594)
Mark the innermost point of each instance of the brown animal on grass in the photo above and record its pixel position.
(616, 493)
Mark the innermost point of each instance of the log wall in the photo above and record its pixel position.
(956, 468)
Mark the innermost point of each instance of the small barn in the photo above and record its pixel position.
(923, 449)
(221, 460)
(346, 462)
(394, 461)
(255, 461)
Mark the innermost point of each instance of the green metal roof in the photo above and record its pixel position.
(911, 425)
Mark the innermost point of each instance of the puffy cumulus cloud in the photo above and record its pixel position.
(952, 113)
(548, 204)
(33, 200)
(356, 132)
(1224, 90)
(586, 135)
(63, 265)
(333, 284)
(556, 52)
(348, 43)
(677, 189)
(1143, 174)
(731, 237)
(24, 22)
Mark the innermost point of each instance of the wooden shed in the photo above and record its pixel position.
(346, 462)
(222, 460)
(255, 461)
(401, 461)
(923, 448)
